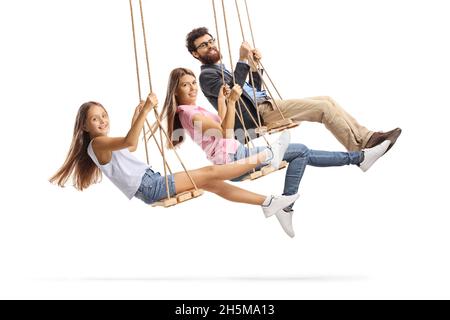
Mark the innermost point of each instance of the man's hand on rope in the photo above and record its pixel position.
(245, 51)
(254, 59)
(256, 56)
(252, 56)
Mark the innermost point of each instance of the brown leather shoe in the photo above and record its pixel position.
(379, 137)
(393, 137)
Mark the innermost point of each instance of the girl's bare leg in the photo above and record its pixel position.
(235, 194)
(206, 175)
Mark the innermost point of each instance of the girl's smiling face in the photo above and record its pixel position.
(97, 121)
(187, 90)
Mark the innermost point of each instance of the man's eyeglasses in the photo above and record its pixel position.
(205, 44)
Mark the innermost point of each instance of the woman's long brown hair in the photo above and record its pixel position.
(170, 106)
(78, 164)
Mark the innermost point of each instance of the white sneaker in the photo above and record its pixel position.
(373, 154)
(279, 148)
(278, 203)
(285, 219)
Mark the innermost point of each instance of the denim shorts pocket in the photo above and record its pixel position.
(146, 190)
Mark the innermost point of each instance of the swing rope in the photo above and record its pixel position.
(147, 59)
(218, 41)
(254, 46)
(241, 118)
(285, 123)
(158, 117)
(158, 125)
(241, 101)
(139, 86)
(223, 78)
(137, 72)
(262, 172)
(146, 47)
(257, 70)
(251, 72)
(153, 131)
(221, 60)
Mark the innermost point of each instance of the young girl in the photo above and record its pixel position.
(210, 129)
(93, 152)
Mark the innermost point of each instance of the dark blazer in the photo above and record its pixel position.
(211, 82)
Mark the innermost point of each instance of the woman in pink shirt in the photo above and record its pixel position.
(214, 133)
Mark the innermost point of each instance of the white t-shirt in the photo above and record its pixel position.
(124, 170)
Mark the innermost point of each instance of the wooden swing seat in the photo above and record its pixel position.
(279, 124)
(277, 127)
(287, 127)
(179, 198)
(264, 172)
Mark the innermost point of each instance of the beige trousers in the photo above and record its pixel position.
(343, 126)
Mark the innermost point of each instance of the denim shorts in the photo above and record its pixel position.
(153, 187)
(242, 153)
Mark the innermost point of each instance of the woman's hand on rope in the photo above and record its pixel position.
(224, 92)
(231, 95)
(221, 101)
(235, 93)
(227, 124)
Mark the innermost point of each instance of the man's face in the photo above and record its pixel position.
(206, 50)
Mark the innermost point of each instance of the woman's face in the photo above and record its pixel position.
(97, 121)
(187, 90)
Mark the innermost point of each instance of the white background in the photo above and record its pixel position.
(383, 234)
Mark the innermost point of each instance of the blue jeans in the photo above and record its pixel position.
(299, 156)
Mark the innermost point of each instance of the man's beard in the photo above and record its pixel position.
(212, 57)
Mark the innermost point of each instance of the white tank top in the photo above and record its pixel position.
(124, 170)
